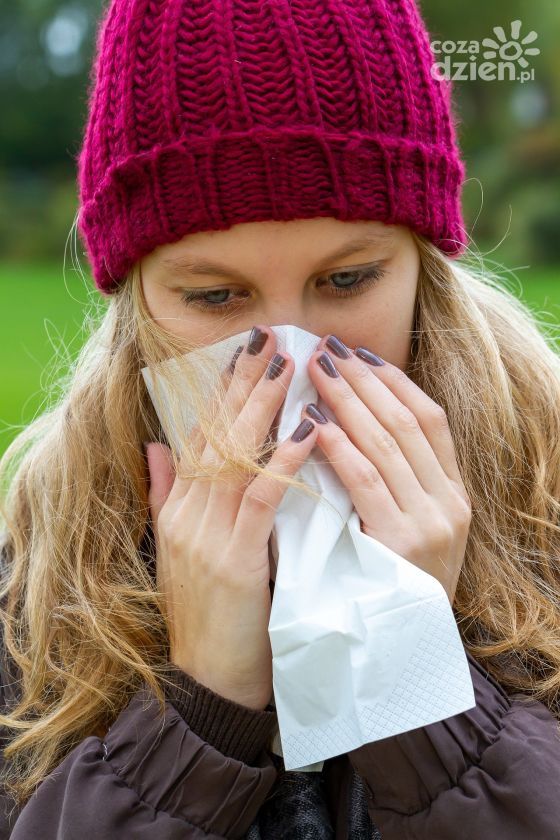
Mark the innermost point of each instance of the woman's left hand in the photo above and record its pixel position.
(394, 453)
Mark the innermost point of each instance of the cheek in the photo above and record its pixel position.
(166, 317)
(152, 299)
(385, 326)
(166, 310)
(172, 316)
(400, 323)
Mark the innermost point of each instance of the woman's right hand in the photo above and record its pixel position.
(212, 541)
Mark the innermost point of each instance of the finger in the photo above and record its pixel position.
(249, 370)
(397, 416)
(196, 439)
(250, 430)
(256, 401)
(365, 484)
(431, 416)
(367, 435)
(261, 498)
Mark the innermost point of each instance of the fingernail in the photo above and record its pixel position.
(368, 357)
(145, 447)
(338, 347)
(234, 359)
(326, 363)
(303, 430)
(257, 340)
(275, 366)
(316, 413)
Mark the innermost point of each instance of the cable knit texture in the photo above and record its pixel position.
(208, 113)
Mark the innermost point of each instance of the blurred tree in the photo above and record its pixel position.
(45, 49)
(509, 131)
(45, 53)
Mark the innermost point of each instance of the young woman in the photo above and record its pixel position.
(245, 165)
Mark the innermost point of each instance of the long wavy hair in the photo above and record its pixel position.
(82, 617)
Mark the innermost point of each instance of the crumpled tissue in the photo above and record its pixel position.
(365, 644)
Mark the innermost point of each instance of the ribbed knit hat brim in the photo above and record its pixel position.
(203, 116)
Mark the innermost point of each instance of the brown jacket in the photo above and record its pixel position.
(203, 771)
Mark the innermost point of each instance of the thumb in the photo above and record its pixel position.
(162, 477)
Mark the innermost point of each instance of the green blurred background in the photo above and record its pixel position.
(509, 132)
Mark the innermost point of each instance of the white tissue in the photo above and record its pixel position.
(365, 644)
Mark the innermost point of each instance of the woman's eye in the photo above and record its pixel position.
(352, 282)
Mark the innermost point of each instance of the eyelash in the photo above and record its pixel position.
(368, 277)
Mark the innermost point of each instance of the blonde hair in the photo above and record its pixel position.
(81, 615)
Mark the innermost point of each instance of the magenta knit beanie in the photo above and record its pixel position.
(205, 114)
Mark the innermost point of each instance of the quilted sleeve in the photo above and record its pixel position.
(490, 772)
(150, 777)
(199, 771)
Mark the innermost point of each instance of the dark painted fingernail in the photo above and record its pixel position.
(303, 430)
(368, 357)
(339, 349)
(235, 355)
(257, 340)
(276, 366)
(324, 361)
(317, 415)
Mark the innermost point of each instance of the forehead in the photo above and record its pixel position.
(310, 230)
(321, 239)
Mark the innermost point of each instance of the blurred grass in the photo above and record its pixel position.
(40, 321)
(42, 314)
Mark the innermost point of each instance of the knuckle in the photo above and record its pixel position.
(439, 417)
(337, 441)
(385, 441)
(362, 371)
(260, 400)
(170, 533)
(178, 541)
(336, 434)
(367, 476)
(398, 375)
(245, 372)
(463, 510)
(257, 499)
(443, 533)
(406, 421)
(346, 392)
(175, 542)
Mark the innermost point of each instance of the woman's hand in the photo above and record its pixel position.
(212, 540)
(394, 453)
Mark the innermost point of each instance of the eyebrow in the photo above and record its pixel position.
(189, 265)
